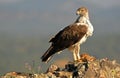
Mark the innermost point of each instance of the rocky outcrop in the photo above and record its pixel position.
(87, 67)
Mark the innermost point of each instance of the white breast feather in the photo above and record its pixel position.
(85, 21)
(90, 28)
(83, 39)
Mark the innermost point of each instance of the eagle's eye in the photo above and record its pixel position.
(82, 10)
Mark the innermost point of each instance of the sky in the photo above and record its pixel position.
(44, 17)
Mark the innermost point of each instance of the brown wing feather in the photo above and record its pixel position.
(64, 39)
(69, 35)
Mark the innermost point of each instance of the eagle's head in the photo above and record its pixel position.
(82, 11)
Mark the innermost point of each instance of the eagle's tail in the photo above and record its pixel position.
(48, 54)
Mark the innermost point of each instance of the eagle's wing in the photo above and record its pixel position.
(64, 39)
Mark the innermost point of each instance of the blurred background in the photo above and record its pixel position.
(26, 26)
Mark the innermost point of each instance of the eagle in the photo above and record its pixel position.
(71, 37)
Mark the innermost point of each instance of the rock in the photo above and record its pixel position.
(87, 67)
(53, 68)
(17, 75)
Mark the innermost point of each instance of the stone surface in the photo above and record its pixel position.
(87, 67)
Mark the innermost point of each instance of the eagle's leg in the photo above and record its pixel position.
(74, 55)
(77, 52)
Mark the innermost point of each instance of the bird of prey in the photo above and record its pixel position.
(71, 37)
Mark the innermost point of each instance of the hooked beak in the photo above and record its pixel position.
(78, 13)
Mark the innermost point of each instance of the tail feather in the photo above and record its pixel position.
(48, 54)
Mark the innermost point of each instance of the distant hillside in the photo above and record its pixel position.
(16, 50)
